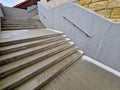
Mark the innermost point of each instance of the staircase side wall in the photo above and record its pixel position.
(1, 15)
(103, 45)
(14, 13)
(32, 10)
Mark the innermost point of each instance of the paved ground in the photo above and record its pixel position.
(83, 75)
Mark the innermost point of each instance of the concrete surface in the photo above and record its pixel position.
(99, 46)
(7, 36)
(83, 75)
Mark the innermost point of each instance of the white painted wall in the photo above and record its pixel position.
(105, 41)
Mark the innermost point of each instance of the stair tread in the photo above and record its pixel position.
(44, 77)
(21, 27)
(15, 54)
(9, 24)
(28, 43)
(8, 36)
(28, 59)
(14, 25)
(18, 27)
(21, 21)
(12, 79)
(21, 24)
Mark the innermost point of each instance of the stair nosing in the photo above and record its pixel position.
(24, 54)
(10, 71)
(54, 74)
(28, 39)
(25, 78)
(28, 45)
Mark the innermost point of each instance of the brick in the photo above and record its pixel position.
(105, 13)
(98, 5)
(86, 5)
(96, 0)
(116, 20)
(82, 2)
(113, 3)
(115, 13)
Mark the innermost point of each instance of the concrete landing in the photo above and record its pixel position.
(7, 36)
(83, 75)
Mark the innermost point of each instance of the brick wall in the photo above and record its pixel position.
(107, 8)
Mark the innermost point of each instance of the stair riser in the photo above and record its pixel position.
(4, 74)
(38, 71)
(29, 39)
(17, 24)
(19, 21)
(29, 46)
(3, 62)
(6, 29)
(21, 25)
(56, 74)
(9, 26)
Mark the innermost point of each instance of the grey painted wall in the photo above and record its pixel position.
(1, 15)
(0, 23)
(15, 13)
(105, 34)
(32, 10)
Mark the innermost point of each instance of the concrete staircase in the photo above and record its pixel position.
(30, 56)
(10, 24)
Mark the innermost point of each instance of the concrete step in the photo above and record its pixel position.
(15, 25)
(21, 36)
(37, 82)
(21, 76)
(25, 62)
(17, 28)
(22, 46)
(19, 24)
(22, 26)
(20, 21)
(5, 59)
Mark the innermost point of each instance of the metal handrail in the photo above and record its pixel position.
(87, 34)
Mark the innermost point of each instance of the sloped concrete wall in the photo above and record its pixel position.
(32, 10)
(1, 12)
(0, 23)
(1, 15)
(103, 45)
(15, 13)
